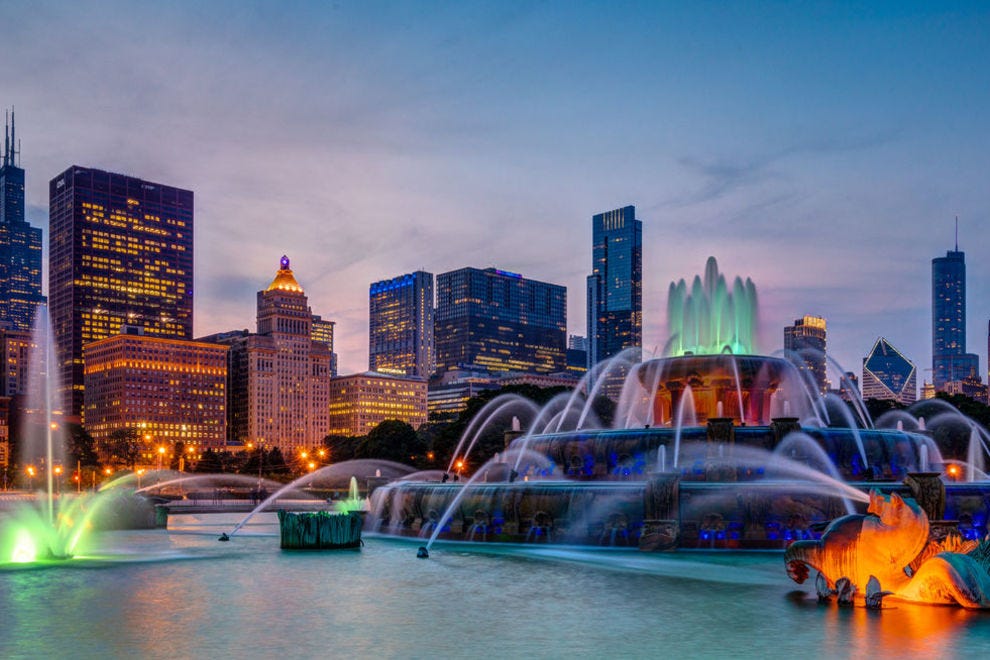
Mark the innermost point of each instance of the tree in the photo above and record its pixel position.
(275, 462)
(392, 440)
(342, 447)
(80, 446)
(209, 463)
(125, 446)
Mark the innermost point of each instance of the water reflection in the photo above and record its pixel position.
(900, 630)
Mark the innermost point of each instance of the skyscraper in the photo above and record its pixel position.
(805, 342)
(279, 378)
(496, 321)
(400, 326)
(615, 286)
(20, 244)
(121, 253)
(950, 361)
(887, 374)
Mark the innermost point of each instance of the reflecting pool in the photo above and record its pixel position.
(179, 593)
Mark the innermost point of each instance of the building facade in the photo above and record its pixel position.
(171, 390)
(400, 326)
(805, 343)
(615, 286)
(887, 374)
(20, 244)
(360, 402)
(16, 351)
(121, 253)
(950, 361)
(497, 321)
(279, 378)
(323, 333)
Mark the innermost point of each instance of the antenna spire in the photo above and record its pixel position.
(957, 233)
(6, 139)
(14, 149)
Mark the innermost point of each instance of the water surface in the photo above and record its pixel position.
(180, 593)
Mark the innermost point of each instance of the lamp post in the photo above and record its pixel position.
(161, 455)
(31, 471)
(58, 479)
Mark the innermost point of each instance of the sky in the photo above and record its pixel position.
(822, 149)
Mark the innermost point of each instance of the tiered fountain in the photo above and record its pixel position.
(713, 446)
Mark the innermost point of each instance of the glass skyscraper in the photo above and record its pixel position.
(615, 286)
(20, 244)
(950, 361)
(400, 326)
(496, 321)
(121, 252)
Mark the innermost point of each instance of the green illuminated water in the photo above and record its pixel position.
(710, 318)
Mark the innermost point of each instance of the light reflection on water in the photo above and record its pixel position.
(193, 597)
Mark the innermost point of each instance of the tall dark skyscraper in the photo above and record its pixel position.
(806, 342)
(400, 326)
(497, 321)
(121, 252)
(615, 286)
(950, 361)
(20, 244)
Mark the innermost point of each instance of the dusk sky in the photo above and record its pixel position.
(821, 149)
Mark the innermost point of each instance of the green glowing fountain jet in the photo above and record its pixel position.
(709, 318)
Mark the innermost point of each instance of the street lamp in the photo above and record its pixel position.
(58, 479)
(31, 471)
(161, 454)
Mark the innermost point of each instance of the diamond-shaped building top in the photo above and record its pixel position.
(887, 374)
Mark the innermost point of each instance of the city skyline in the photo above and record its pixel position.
(824, 158)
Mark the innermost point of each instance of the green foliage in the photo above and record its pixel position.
(80, 447)
(877, 407)
(124, 446)
(342, 447)
(275, 463)
(209, 463)
(392, 440)
(978, 412)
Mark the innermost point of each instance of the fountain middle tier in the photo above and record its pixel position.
(748, 389)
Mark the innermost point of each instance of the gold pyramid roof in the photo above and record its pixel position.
(284, 279)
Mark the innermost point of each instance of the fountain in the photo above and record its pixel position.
(714, 446)
(56, 525)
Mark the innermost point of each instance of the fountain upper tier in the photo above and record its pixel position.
(748, 389)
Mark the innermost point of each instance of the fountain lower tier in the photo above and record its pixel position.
(616, 454)
(658, 513)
